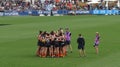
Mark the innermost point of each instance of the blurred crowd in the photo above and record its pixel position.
(21, 5)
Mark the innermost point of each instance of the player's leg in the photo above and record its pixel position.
(52, 52)
(42, 51)
(96, 49)
(83, 52)
(57, 53)
(38, 51)
(45, 52)
(80, 53)
(69, 47)
(61, 51)
(79, 50)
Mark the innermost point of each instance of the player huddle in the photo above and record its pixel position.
(53, 44)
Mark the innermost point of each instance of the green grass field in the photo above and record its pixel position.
(18, 41)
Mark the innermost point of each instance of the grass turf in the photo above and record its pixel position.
(18, 41)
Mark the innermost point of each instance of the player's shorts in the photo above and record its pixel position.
(95, 45)
(61, 44)
(39, 43)
(47, 44)
(67, 42)
(43, 44)
(56, 44)
(81, 47)
(52, 43)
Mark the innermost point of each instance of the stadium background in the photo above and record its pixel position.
(58, 7)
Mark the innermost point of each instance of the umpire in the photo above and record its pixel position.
(81, 45)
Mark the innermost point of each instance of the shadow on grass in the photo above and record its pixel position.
(4, 24)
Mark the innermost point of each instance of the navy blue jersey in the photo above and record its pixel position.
(81, 41)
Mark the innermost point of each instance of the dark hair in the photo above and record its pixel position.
(44, 33)
(80, 35)
(40, 32)
(52, 32)
(60, 34)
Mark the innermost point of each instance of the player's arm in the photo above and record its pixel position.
(83, 41)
